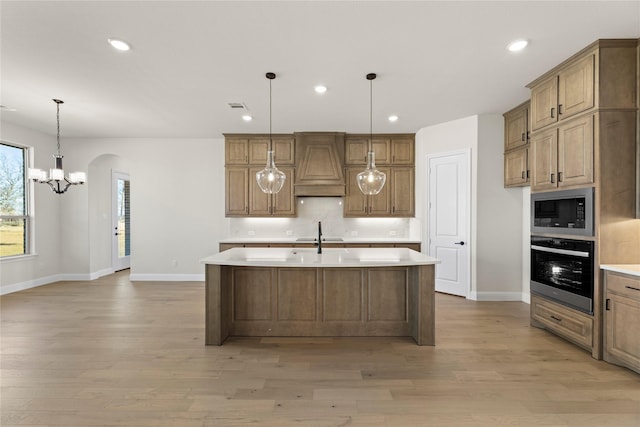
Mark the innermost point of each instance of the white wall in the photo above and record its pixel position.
(177, 213)
(43, 267)
(496, 213)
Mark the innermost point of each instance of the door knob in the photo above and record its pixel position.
(461, 243)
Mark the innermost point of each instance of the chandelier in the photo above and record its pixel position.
(371, 180)
(58, 182)
(270, 179)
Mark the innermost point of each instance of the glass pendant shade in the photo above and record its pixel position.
(371, 180)
(270, 179)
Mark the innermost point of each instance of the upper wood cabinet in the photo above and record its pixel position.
(569, 92)
(319, 157)
(516, 146)
(516, 168)
(516, 127)
(602, 75)
(236, 191)
(279, 204)
(395, 200)
(563, 156)
(241, 149)
(389, 149)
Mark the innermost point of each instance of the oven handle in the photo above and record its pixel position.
(560, 251)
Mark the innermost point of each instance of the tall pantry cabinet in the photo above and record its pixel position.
(583, 118)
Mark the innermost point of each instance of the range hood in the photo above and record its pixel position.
(319, 164)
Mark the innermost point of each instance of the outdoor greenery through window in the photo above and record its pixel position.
(14, 220)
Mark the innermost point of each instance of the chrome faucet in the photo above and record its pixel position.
(319, 237)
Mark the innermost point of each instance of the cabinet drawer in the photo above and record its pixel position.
(623, 285)
(570, 324)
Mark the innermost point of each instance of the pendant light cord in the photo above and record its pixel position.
(58, 121)
(371, 77)
(270, 140)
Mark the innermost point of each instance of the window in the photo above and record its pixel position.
(14, 219)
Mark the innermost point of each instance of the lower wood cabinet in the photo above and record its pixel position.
(621, 320)
(570, 324)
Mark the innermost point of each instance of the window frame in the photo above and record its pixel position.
(27, 215)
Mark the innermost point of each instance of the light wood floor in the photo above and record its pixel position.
(115, 353)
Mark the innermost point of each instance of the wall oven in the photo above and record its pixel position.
(562, 270)
(563, 212)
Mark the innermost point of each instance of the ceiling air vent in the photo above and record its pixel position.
(237, 105)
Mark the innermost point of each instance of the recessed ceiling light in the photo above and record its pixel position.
(247, 118)
(119, 44)
(320, 89)
(517, 45)
(393, 118)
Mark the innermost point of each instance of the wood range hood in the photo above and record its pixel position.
(319, 161)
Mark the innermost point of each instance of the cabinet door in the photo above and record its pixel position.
(380, 204)
(236, 151)
(623, 341)
(282, 147)
(402, 184)
(259, 202)
(382, 148)
(356, 149)
(283, 203)
(355, 203)
(402, 151)
(575, 152)
(258, 147)
(236, 194)
(516, 168)
(515, 128)
(576, 88)
(544, 155)
(544, 102)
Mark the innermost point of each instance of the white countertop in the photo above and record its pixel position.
(632, 269)
(328, 240)
(330, 257)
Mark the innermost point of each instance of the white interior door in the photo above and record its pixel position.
(449, 204)
(121, 221)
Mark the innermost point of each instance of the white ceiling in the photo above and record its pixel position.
(436, 61)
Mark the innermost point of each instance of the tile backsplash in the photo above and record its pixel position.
(329, 211)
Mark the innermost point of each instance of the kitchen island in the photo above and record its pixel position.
(345, 292)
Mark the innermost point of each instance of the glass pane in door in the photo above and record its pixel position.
(124, 222)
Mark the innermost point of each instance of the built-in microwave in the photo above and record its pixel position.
(563, 212)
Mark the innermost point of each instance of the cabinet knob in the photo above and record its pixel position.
(522, 137)
(553, 111)
(553, 181)
(559, 176)
(559, 109)
(522, 174)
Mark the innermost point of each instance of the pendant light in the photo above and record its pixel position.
(58, 182)
(270, 179)
(371, 180)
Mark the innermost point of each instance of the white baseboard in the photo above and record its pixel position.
(526, 297)
(167, 277)
(72, 277)
(496, 296)
(98, 274)
(21, 286)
